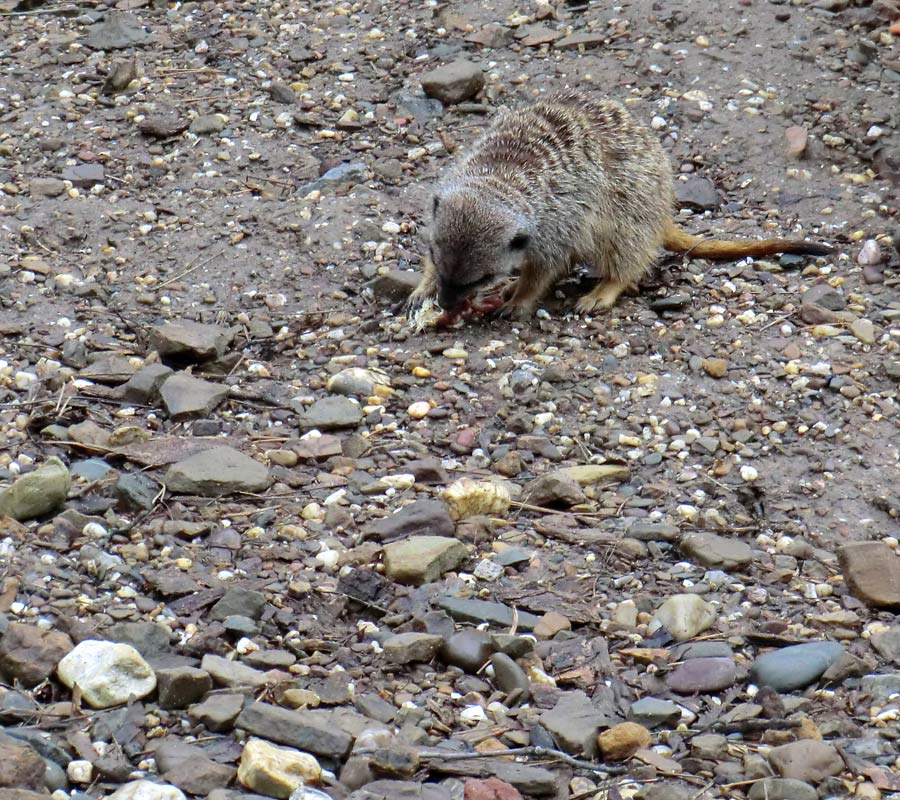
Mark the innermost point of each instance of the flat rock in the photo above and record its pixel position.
(717, 552)
(29, 655)
(453, 83)
(478, 611)
(294, 729)
(116, 31)
(872, 573)
(185, 396)
(395, 285)
(580, 40)
(218, 471)
(702, 675)
(810, 760)
(406, 648)
(148, 638)
(422, 559)
(509, 677)
(574, 724)
(782, 789)
(423, 517)
(84, 176)
(207, 124)
(164, 124)
(178, 687)
(684, 616)
(107, 673)
(795, 667)
(37, 493)
(490, 789)
(401, 790)
(331, 413)
(651, 711)
(225, 672)
(188, 342)
(554, 488)
(339, 177)
(46, 187)
(239, 600)
(218, 711)
(697, 193)
(881, 687)
(276, 771)
(795, 138)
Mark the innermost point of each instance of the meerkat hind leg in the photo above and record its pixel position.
(522, 296)
(602, 296)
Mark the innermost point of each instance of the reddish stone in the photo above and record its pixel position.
(490, 789)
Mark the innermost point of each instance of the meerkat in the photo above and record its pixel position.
(563, 181)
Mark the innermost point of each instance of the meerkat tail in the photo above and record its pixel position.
(676, 240)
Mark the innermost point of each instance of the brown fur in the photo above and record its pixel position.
(562, 181)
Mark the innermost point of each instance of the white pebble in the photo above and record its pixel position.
(473, 715)
(749, 473)
(80, 771)
(870, 253)
(419, 409)
(328, 558)
(391, 227)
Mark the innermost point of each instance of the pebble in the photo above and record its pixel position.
(20, 766)
(453, 83)
(276, 771)
(358, 382)
(684, 616)
(179, 687)
(406, 648)
(207, 124)
(863, 330)
(653, 712)
(422, 559)
(699, 194)
(468, 498)
(146, 790)
(478, 611)
(795, 667)
(217, 471)
(339, 177)
(716, 367)
(331, 413)
(419, 409)
(809, 760)
(424, 516)
(622, 741)
(217, 712)
(468, 649)
(796, 137)
(37, 493)
(107, 673)
(509, 676)
(702, 675)
(871, 571)
(869, 254)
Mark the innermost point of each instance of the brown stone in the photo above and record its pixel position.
(28, 654)
(807, 760)
(621, 742)
(20, 767)
(872, 573)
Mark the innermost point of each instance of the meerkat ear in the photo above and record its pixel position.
(520, 241)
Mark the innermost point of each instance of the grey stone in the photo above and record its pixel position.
(468, 649)
(46, 187)
(341, 176)
(240, 625)
(84, 176)
(239, 600)
(554, 488)
(872, 573)
(697, 193)
(143, 386)
(422, 559)
(28, 655)
(717, 552)
(148, 638)
(453, 83)
(782, 789)
(294, 729)
(652, 712)
(418, 107)
(881, 687)
(702, 675)
(400, 790)
(331, 413)
(478, 611)
(189, 342)
(207, 124)
(116, 31)
(179, 687)
(574, 724)
(232, 673)
(217, 712)
(808, 760)
(509, 676)
(91, 469)
(185, 396)
(218, 471)
(688, 650)
(796, 666)
(423, 517)
(137, 490)
(394, 285)
(406, 648)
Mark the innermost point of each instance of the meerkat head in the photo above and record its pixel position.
(474, 241)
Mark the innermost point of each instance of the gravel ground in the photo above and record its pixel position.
(616, 530)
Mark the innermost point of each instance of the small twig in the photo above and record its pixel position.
(190, 269)
(539, 752)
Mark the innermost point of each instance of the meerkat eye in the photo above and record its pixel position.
(435, 202)
(519, 241)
